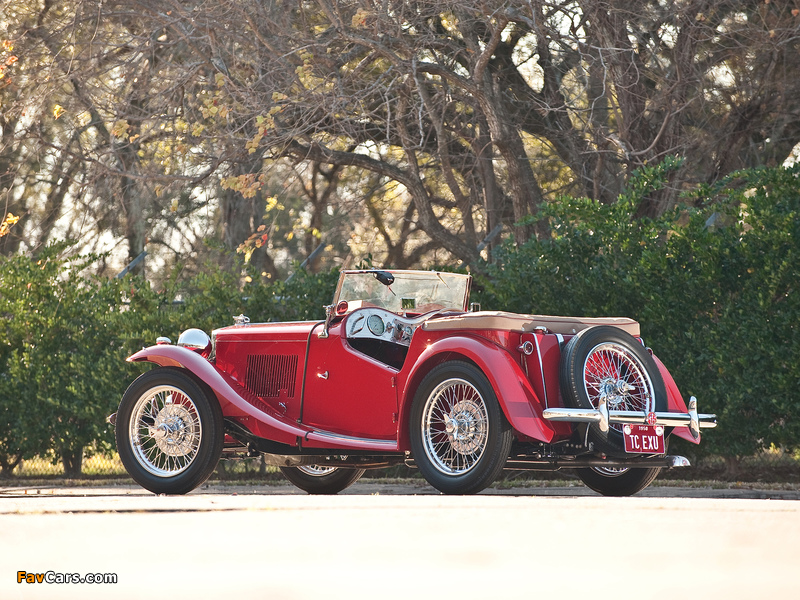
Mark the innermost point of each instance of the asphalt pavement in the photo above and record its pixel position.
(398, 540)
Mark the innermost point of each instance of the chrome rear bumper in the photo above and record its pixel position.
(604, 417)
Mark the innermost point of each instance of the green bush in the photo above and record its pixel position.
(58, 365)
(729, 280)
(714, 285)
(64, 337)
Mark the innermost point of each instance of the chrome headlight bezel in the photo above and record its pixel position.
(195, 339)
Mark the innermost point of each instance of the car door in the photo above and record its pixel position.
(348, 392)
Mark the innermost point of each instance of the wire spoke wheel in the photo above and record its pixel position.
(613, 481)
(604, 363)
(165, 431)
(612, 372)
(460, 438)
(169, 431)
(455, 426)
(316, 470)
(611, 471)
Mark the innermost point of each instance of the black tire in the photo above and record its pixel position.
(622, 482)
(623, 362)
(318, 479)
(169, 431)
(460, 438)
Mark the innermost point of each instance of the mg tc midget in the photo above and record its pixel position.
(399, 371)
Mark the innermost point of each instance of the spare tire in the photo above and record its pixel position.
(606, 360)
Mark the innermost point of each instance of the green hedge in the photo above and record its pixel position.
(714, 285)
(64, 337)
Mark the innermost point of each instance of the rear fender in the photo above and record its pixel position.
(675, 402)
(520, 404)
(236, 402)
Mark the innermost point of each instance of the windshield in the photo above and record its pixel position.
(411, 291)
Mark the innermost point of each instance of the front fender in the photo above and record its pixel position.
(519, 402)
(236, 401)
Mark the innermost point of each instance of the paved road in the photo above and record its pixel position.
(398, 541)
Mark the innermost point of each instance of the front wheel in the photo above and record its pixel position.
(169, 432)
(319, 479)
(459, 436)
(617, 482)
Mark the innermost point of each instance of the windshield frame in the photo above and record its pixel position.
(393, 299)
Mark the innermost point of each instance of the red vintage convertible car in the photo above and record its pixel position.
(397, 372)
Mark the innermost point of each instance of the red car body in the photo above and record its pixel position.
(443, 389)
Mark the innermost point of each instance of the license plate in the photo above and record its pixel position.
(643, 439)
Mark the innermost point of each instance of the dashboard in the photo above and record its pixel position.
(380, 324)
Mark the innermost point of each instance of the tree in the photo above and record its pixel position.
(95, 129)
(464, 94)
(478, 113)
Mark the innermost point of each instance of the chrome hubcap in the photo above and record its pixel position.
(165, 431)
(462, 427)
(171, 433)
(455, 426)
(614, 391)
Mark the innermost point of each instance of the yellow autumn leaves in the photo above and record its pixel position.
(9, 221)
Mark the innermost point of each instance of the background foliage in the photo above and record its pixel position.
(411, 130)
(714, 284)
(64, 336)
(582, 156)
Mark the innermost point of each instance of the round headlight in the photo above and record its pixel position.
(195, 339)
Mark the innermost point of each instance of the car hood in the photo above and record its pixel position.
(254, 332)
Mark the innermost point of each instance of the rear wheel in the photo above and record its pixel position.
(319, 479)
(606, 362)
(617, 482)
(459, 436)
(169, 432)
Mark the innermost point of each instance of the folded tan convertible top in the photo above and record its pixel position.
(525, 323)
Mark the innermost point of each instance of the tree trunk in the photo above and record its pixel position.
(731, 467)
(72, 461)
(8, 464)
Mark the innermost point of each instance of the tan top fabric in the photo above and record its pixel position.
(525, 323)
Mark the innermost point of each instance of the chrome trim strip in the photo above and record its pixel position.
(541, 370)
(578, 415)
(662, 418)
(347, 439)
